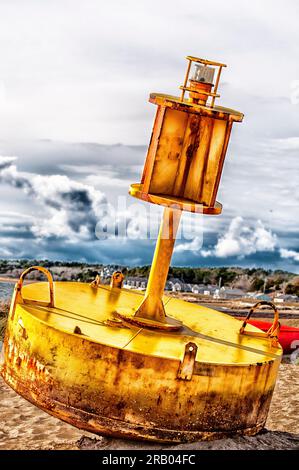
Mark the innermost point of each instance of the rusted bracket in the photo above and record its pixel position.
(272, 333)
(17, 295)
(96, 282)
(117, 279)
(186, 368)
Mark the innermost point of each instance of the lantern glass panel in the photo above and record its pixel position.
(203, 74)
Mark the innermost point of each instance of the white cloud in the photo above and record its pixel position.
(241, 240)
(291, 254)
(288, 143)
(194, 245)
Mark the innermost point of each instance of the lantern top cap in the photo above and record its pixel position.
(204, 74)
(205, 61)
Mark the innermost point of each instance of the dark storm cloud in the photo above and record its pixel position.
(46, 157)
(14, 180)
(266, 260)
(15, 232)
(98, 251)
(6, 162)
(71, 208)
(79, 199)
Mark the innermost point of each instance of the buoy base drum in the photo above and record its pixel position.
(204, 381)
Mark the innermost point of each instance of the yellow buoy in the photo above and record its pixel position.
(117, 362)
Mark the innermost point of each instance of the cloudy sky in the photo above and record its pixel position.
(75, 123)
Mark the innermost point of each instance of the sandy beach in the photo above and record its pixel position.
(23, 426)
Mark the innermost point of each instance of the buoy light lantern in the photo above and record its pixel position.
(182, 170)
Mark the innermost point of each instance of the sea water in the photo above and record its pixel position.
(6, 290)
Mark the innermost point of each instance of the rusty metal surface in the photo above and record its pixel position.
(121, 392)
(188, 143)
(217, 112)
(273, 332)
(186, 155)
(186, 368)
(151, 311)
(117, 279)
(136, 190)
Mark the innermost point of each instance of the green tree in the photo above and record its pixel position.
(257, 284)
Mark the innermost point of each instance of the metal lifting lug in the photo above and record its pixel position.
(186, 368)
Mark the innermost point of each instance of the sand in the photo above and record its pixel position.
(23, 426)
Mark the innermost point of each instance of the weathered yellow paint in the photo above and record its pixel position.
(151, 311)
(137, 190)
(186, 154)
(173, 102)
(123, 381)
(78, 304)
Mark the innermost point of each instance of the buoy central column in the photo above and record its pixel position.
(152, 307)
(151, 313)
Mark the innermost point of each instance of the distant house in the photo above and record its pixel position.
(187, 287)
(196, 289)
(173, 285)
(168, 286)
(226, 293)
(263, 297)
(135, 282)
(107, 271)
(281, 298)
(176, 285)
